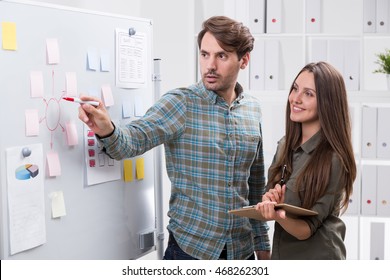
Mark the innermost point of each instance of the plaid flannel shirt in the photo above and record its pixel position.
(214, 159)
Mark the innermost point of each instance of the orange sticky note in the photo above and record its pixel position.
(139, 165)
(9, 35)
(128, 170)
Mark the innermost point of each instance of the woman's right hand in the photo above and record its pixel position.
(276, 194)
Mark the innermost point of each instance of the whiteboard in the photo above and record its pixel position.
(104, 220)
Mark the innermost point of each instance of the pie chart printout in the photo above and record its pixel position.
(26, 172)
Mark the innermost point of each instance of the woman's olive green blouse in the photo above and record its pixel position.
(327, 229)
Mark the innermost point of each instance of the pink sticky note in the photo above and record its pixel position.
(36, 84)
(71, 84)
(32, 122)
(52, 51)
(107, 95)
(71, 134)
(53, 164)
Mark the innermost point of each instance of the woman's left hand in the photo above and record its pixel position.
(267, 210)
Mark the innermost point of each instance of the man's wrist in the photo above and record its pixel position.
(109, 134)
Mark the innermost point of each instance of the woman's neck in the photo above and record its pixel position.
(308, 130)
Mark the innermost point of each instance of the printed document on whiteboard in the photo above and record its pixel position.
(26, 205)
(131, 56)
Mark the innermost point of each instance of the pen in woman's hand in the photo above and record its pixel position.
(282, 180)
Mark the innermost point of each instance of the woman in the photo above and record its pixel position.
(319, 168)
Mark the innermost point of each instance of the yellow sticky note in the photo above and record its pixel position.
(9, 35)
(128, 170)
(139, 164)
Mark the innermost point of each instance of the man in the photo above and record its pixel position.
(213, 147)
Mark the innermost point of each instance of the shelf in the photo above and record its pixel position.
(343, 43)
(375, 161)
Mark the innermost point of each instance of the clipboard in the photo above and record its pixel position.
(250, 211)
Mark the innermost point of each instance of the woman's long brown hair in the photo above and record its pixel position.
(333, 113)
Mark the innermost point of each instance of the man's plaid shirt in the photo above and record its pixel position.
(214, 159)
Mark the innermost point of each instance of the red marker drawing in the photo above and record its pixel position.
(78, 100)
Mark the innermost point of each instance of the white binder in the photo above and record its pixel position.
(353, 206)
(383, 133)
(274, 16)
(351, 64)
(242, 11)
(319, 50)
(369, 196)
(336, 54)
(230, 8)
(257, 16)
(313, 16)
(257, 66)
(369, 16)
(383, 191)
(377, 241)
(344, 55)
(369, 132)
(272, 65)
(382, 16)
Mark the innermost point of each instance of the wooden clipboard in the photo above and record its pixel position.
(251, 212)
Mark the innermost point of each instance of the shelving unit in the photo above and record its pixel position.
(337, 21)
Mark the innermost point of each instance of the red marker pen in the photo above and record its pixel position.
(78, 100)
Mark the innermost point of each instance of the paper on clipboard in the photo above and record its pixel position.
(251, 212)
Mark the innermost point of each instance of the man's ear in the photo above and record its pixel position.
(245, 61)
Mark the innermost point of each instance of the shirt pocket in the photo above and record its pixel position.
(248, 148)
(292, 193)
